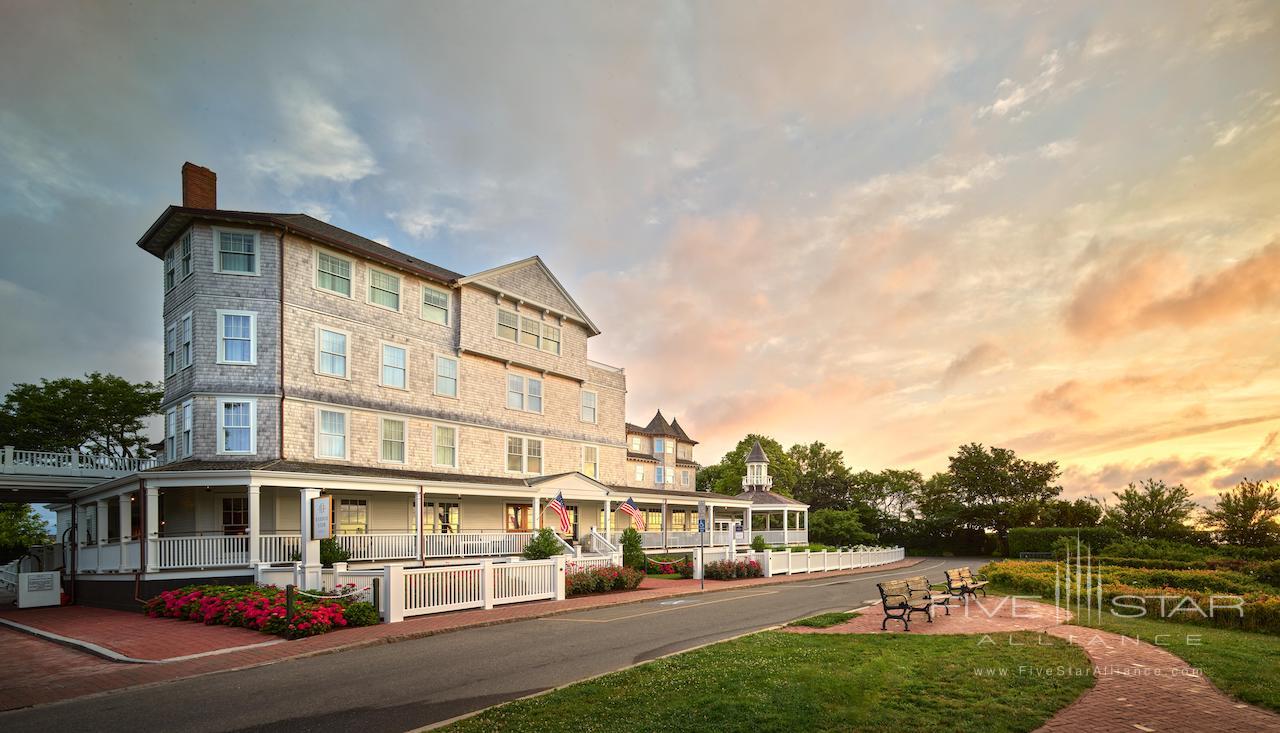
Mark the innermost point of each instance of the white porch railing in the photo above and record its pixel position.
(720, 538)
(279, 547)
(43, 463)
(397, 546)
(476, 544)
(202, 552)
(417, 591)
(776, 536)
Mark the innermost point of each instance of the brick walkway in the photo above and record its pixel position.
(992, 615)
(1140, 687)
(27, 680)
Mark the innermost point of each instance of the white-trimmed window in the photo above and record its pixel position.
(236, 420)
(331, 352)
(333, 273)
(658, 474)
(639, 472)
(657, 446)
(530, 332)
(184, 256)
(446, 446)
(671, 446)
(591, 461)
(185, 447)
(508, 325)
(170, 351)
(524, 455)
(684, 477)
(237, 252)
(636, 444)
(184, 350)
(353, 516)
(551, 338)
(170, 268)
(435, 305)
(237, 337)
(671, 476)
(384, 289)
(524, 393)
(587, 413)
(171, 433)
(395, 366)
(331, 434)
(393, 440)
(446, 376)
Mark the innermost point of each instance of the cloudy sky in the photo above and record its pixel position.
(895, 228)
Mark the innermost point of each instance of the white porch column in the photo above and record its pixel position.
(749, 533)
(785, 537)
(103, 514)
(666, 521)
(608, 520)
(419, 503)
(309, 545)
(537, 515)
(125, 512)
(711, 522)
(255, 522)
(151, 533)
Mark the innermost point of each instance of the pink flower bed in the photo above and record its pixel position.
(262, 608)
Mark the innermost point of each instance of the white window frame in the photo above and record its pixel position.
(185, 264)
(382, 364)
(435, 448)
(536, 333)
(595, 407)
(315, 269)
(346, 361)
(186, 346)
(497, 325)
(217, 251)
(640, 472)
(583, 463)
(187, 435)
(382, 439)
(526, 390)
(253, 426)
(368, 288)
(171, 433)
(346, 434)
(658, 446)
(524, 455)
(659, 473)
(559, 340)
(684, 477)
(671, 446)
(171, 268)
(253, 337)
(171, 350)
(637, 445)
(457, 378)
(448, 305)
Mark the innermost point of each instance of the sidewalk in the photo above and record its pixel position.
(39, 672)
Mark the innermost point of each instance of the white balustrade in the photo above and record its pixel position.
(516, 582)
(279, 547)
(203, 552)
(71, 463)
(434, 590)
(476, 544)
(398, 546)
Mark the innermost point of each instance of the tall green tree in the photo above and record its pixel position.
(1063, 513)
(20, 528)
(997, 490)
(727, 478)
(1151, 510)
(101, 414)
(822, 479)
(1246, 515)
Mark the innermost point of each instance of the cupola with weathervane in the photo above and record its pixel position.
(757, 478)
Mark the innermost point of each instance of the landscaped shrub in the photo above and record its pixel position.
(632, 549)
(758, 544)
(730, 569)
(838, 527)
(680, 565)
(601, 580)
(1268, 572)
(330, 552)
(262, 608)
(1042, 539)
(543, 545)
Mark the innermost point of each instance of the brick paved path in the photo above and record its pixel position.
(1140, 687)
(132, 634)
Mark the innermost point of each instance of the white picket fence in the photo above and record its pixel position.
(791, 563)
(416, 591)
(586, 563)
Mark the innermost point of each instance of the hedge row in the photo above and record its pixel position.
(1041, 539)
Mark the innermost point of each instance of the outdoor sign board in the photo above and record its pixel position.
(322, 518)
(738, 532)
(702, 524)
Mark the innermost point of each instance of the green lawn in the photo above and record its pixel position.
(1243, 664)
(775, 681)
(824, 620)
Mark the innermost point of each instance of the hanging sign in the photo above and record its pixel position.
(322, 518)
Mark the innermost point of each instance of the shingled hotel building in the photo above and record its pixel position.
(439, 410)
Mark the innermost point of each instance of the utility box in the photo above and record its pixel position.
(39, 589)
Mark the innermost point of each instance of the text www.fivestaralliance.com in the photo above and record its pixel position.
(1097, 671)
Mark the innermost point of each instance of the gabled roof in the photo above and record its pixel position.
(659, 427)
(757, 454)
(536, 261)
(762, 497)
(176, 219)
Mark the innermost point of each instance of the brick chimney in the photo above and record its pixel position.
(199, 187)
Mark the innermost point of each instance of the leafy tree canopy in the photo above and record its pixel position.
(20, 525)
(1246, 515)
(101, 414)
(726, 476)
(995, 489)
(822, 479)
(1151, 510)
(1063, 513)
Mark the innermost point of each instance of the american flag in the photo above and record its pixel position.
(637, 516)
(561, 511)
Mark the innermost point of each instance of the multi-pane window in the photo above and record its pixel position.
(508, 325)
(170, 350)
(238, 252)
(446, 440)
(184, 351)
(171, 433)
(235, 514)
(236, 338)
(530, 332)
(235, 426)
(657, 446)
(332, 358)
(636, 444)
(384, 289)
(184, 255)
(684, 451)
(671, 446)
(447, 518)
(184, 443)
(591, 461)
(639, 472)
(446, 376)
(550, 338)
(333, 273)
(435, 305)
(524, 455)
(519, 517)
(393, 440)
(684, 477)
(353, 516)
(658, 474)
(331, 439)
(395, 362)
(588, 405)
(170, 268)
(524, 393)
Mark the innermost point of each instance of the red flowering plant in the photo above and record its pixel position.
(601, 580)
(264, 608)
(682, 566)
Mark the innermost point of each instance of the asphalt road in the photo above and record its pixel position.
(396, 687)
